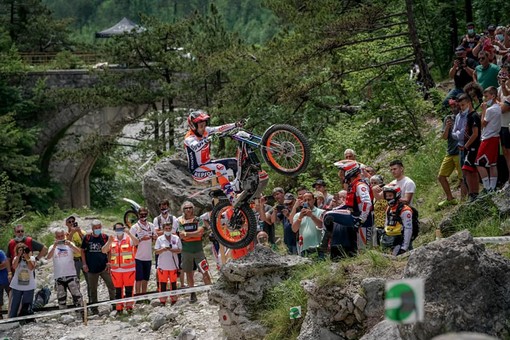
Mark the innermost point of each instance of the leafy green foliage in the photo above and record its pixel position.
(32, 27)
(253, 22)
(66, 60)
(18, 167)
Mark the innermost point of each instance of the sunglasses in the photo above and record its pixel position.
(187, 208)
(143, 215)
(481, 59)
(20, 231)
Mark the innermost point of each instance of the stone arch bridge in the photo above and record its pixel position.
(67, 141)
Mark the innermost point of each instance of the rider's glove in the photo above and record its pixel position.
(211, 138)
(240, 123)
(357, 222)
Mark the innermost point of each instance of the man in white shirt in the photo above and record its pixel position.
(163, 217)
(64, 271)
(145, 233)
(488, 152)
(167, 247)
(406, 185)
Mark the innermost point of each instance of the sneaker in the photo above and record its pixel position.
(447, 203)
(506, 186)
(193, 298)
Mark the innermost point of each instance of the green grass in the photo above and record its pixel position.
(274, 309)
(481, 218)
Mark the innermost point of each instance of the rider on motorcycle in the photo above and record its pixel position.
(197, 143)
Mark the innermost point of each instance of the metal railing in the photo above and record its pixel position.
(41, 58)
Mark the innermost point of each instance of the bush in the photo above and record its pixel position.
(65, 60)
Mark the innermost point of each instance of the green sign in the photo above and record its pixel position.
(404, 301)
(295, 312)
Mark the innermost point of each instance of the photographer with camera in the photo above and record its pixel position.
(461, 72)
(64, 272)
(167, 247)
(122, 248)
(23, 282)
(75, 234)
(21, 237)
(309, 224)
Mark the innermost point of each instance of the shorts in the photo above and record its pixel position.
(143, 270)
(188, 259)
(468, 163)
(450, 163)
(165, 276)
(504, 135)
(488, 153)
(4, 288)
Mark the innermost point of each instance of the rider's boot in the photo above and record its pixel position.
(236, 185)
(263, 180)
(226, 187)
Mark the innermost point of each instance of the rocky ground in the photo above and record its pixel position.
(184, 320)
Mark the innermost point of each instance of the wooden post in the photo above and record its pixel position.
(84, 312)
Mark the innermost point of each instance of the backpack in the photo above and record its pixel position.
(160, 220)
(104, 236)
(416, 221)
(42, 297)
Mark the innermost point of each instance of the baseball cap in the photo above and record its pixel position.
(288, 198)
(319, 182)
(491, 27)
(278, 189)
(470, 24)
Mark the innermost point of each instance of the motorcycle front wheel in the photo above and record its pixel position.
(285, 149)
(233, 229)
(130, 218)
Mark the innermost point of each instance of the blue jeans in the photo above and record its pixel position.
(23, 298)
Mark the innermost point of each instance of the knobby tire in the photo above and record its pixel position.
(285, 149)
(233, 238)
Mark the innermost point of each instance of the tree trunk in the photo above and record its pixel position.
(428, 82)
(157, 141)
(469, 10)
(454, 27)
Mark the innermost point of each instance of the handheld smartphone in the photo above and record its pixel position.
(305, 205)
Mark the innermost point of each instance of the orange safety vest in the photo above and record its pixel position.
(122, 254)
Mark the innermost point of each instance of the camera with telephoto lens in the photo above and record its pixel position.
(75, 224)
(170, 246)
(26, 250)
(460, 62)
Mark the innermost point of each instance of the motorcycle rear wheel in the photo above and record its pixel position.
(285, 149)
(233, 234)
